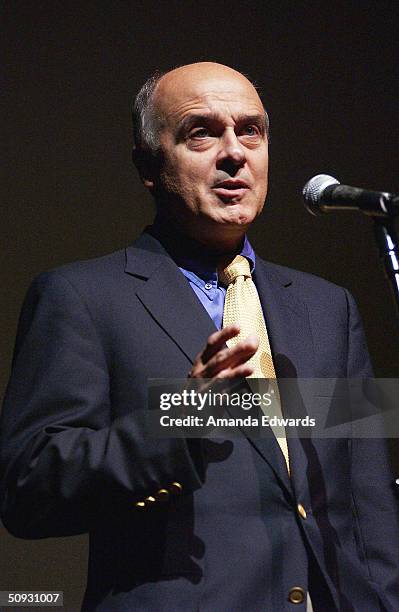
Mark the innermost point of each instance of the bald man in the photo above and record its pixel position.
(179, 525)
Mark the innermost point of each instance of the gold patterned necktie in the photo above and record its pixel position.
(242, 306)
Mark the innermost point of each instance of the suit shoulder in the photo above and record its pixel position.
(306, 283)
(81, 281)
(88, 270)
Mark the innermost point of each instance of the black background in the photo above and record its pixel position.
(328, 73)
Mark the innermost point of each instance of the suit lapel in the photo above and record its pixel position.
(287, 321)
(168, 296)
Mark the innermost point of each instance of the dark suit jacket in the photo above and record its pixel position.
(76, 457)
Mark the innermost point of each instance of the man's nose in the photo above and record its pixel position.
(231, 149)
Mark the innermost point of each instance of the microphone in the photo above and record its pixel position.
(323, 193)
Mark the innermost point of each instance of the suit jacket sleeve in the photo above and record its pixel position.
(63, 462)
(375, 503)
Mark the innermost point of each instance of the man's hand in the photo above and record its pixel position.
(219, 361)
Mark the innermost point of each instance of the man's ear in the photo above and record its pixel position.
(147, 165)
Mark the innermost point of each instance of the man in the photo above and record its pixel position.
(175, 524)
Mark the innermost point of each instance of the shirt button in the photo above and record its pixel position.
(208, 285)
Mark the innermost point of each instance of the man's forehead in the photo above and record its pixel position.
(201, 86)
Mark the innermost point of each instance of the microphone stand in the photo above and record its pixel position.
(387, 242)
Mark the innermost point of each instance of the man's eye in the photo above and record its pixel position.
(251, 130)
(199, 133)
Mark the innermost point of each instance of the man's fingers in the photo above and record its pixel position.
(231, 357)
(227, 359)
(241, 371)
(217, 358)
(217, 341)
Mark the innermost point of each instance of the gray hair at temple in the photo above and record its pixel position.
(146, 122)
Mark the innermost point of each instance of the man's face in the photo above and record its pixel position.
(214, 151)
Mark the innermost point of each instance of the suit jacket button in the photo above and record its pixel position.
(139, 505)
(162, 495)
(301, 511)
(296, 595)
(150, 500)
(176, 488)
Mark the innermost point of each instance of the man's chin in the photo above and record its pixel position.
(238, 216)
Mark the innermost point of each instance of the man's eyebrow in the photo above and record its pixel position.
(259, 118)
(190, 120)
(185, 124)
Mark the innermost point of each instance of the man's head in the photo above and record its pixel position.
(201, 149)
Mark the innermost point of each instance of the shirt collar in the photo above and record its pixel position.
(190, 257)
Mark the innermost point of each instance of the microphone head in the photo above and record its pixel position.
(313, 191)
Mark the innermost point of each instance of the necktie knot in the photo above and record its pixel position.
(238, 267)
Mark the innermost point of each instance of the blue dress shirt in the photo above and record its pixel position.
(204, 282)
